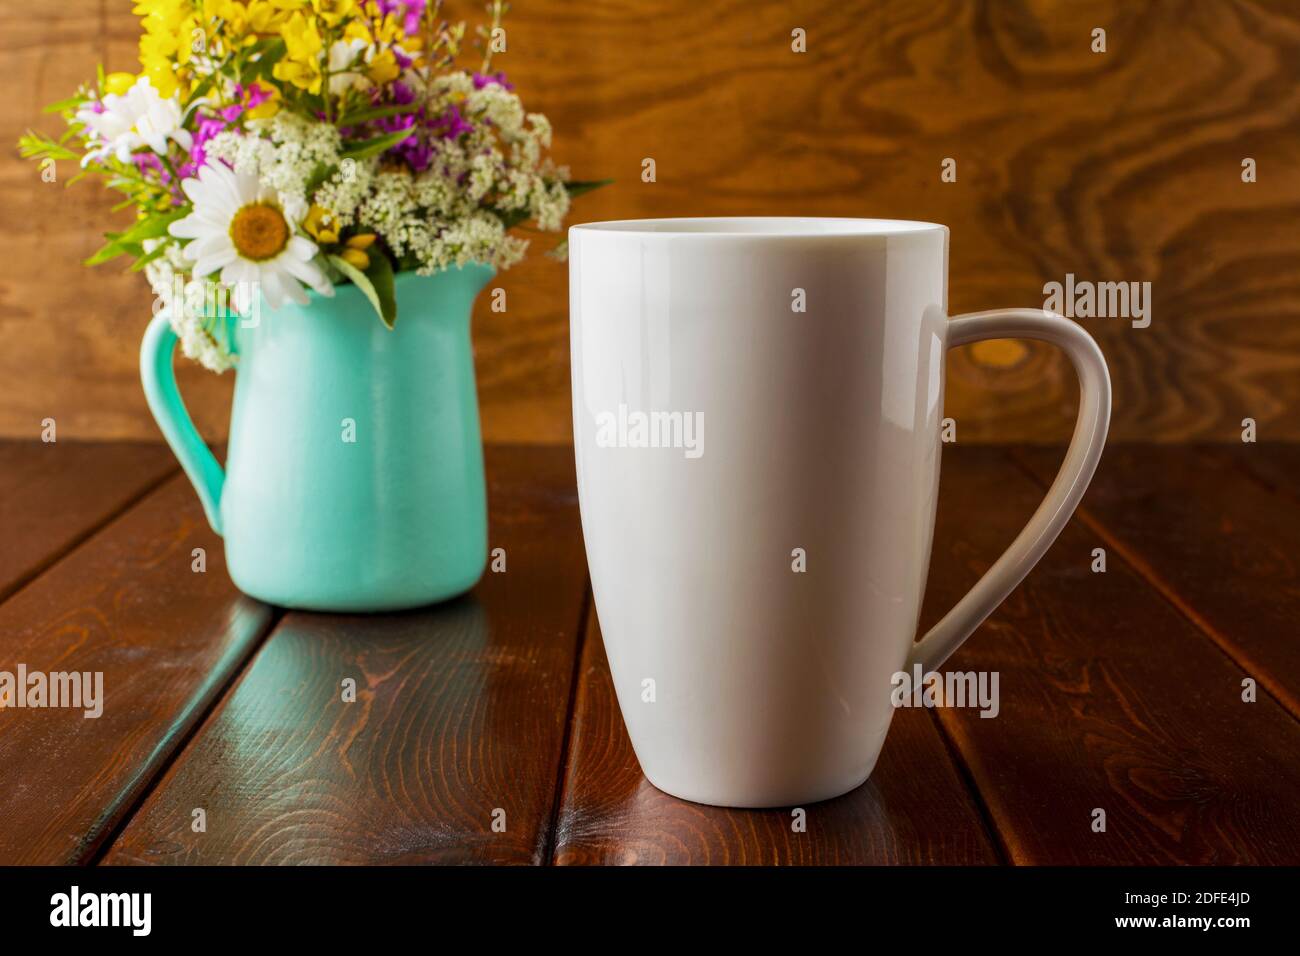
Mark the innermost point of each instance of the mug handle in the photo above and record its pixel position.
(1062, 498)
(169, 412)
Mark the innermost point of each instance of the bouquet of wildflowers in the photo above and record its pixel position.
(286, 145)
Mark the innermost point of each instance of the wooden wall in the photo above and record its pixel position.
(1122, 166)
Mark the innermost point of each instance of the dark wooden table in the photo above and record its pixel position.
(1121, 691)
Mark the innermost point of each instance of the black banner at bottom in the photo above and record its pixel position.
(336, 906)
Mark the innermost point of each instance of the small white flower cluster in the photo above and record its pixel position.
(199, 327)
(284, 154)
(427, 219)
(525, 180)
(344, 191)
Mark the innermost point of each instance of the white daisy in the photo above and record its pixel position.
(139, 117)
(241, 228)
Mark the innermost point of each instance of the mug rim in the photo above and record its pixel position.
(759, 227)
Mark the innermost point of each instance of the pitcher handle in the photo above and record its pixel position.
(169, 411)
(1062, 498)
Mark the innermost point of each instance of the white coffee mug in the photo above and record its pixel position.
(756, 413)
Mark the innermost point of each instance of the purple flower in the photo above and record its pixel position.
(208, 127)
(148, 162)
(450, 125)
(417, 155)
(254, 95)
(492, 79)
(410, 12)
(392, 124)
(402, 94)
(416, 150)
(246, 98)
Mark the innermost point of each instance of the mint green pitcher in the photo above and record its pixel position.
(354, 469)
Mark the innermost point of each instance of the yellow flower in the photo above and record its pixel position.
(267, 16)
(354, 251)
(301, 38)
(171, 32)
(383, 68)
(161, 73)
(235, 27)
(356, 30)
(389, 30)
(356, 257)
(232, 11)
(301, 64)
(321, 225)
(305, 76)
(163, 14)
(269, 106)
(333, 12)
(118, 83)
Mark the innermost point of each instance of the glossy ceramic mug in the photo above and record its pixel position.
(757, 407)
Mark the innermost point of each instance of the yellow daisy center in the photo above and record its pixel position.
(259, 231)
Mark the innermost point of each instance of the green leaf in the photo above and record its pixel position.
(130, 241)
(110, 250)
(36, 146)
(376, 283)
(151, 227)
(375, 112)
(380, 274)
(372, 147)
(318, 176)
(149, 257)
(70, 103)
(511, 217)
(205, 84)
(301, 101)
(268, 58)
(577, 188)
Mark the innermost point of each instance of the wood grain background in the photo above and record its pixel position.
(1122, 166)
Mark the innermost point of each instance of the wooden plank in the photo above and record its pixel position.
(460, 711)
(166, 639)
(913, 809)
(1117, 166)
(1110, 699)
(1221, 547)
(54, 495)
(1276, 464)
